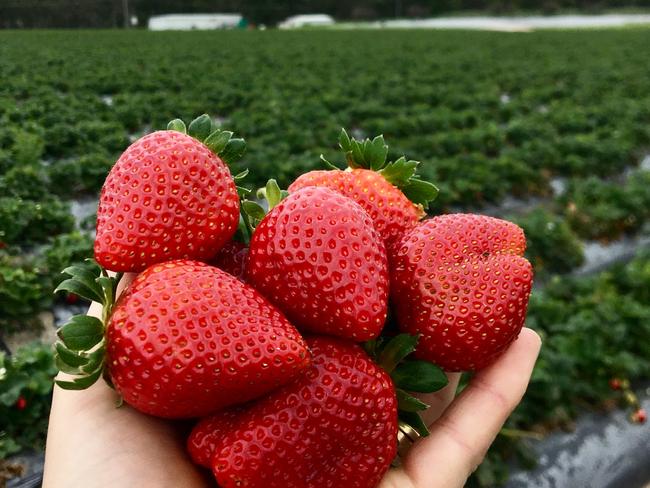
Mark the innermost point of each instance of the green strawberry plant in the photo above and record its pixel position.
(25, 397)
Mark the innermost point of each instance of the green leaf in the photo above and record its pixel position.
(243, 191)
(68, 357)
(87, 278)
(233, 151)
(409, 403)
(399, 172)
(420, 376)
(81, 333)
(241, 176)
(178, 125)
(75, 286)
(420, 192)
(376, 153)
(415, 421)
(328, 164)
(356, 157)
(200, 127)
(344, 141)
(370, 347)
(217, 140)
(273, 193)
(253, 210)
(80, 383)
(66, 368)
(395, 350)
(95, 360)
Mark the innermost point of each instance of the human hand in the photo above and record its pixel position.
(93, 444)
(462, 429)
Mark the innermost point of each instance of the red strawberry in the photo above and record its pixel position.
(187, 339)
(232, 259)
(334, 426)
(317, 256)
(21, 403)
(167, 197)
(639, 416)
(391, 212)
(208, 432)
(71, 298)
(461, 281)
(377, 185)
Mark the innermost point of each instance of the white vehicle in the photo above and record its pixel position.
(309, 20)
(194, 21)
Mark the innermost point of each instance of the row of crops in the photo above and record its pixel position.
(557, 122)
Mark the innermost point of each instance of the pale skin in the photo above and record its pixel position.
(92, 444)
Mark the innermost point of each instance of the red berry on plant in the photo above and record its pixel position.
(71, 298)
(640, 416)
(615, 384)
(21, 403)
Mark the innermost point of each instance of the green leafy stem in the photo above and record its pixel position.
(81, 348)
(221, 142)
(408, 374)
(373, 154)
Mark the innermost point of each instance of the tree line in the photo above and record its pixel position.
(117, 13)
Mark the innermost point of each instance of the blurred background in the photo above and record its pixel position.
(533, 110)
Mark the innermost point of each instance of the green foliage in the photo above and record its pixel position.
(552, 247)
(599, 209)
(23, 294)
(26, 181)
(76, 176)
(65, 250)
(28, 222)
(25, 398)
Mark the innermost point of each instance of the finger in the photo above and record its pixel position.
(460, 438)
(126, 280)
(440, 400)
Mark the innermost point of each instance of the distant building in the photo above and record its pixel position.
(306, 21)
(195, 21)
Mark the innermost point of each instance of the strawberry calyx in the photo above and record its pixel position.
(253, 211)
(373, 155)
(81, 348)
(409, 376)
(220, 142)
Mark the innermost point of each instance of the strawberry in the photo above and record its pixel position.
(335, 425)
(169, 196)
(21, 403)
(379, 187)
(232, 259)
(71, 298)
(461, 282)
(184, 340)
(317, 256)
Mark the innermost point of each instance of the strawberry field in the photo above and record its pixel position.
(550, 130)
